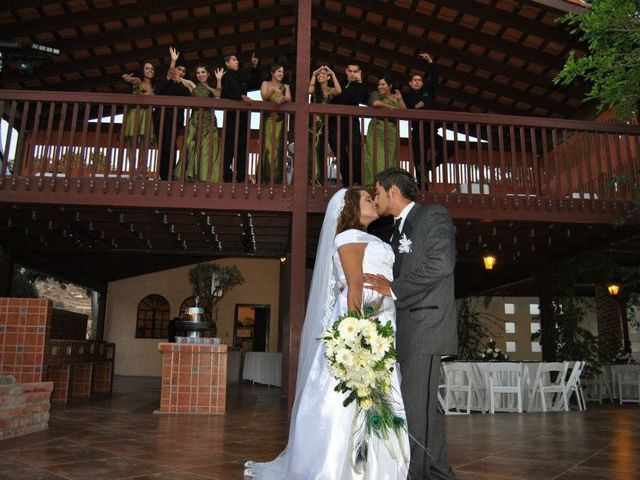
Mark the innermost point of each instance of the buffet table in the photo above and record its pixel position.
(263, 367)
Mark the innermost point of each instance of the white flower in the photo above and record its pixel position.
(349, 328)
(366, 403)
(405, 244)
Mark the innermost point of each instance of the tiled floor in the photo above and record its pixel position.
(119, 437)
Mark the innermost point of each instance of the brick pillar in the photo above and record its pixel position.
(102, 377)
(60, 377)
(609, 324)
(81, 380)
(24, 331)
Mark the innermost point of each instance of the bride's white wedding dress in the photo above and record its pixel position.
(320, 436)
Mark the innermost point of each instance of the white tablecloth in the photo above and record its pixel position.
(263, 367)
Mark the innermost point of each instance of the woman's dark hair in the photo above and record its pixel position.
(401, 179)
(389, 80)
(350, 214)
(207, 69)
(275, 67)
(140, 72)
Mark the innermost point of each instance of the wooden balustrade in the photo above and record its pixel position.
(54, 135)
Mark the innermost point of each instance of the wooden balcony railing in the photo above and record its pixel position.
(55, 136)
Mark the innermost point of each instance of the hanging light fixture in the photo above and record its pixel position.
(489, 259)
(613, 289)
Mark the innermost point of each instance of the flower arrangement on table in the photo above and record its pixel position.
(623, 358)
(491, 353)
(361, 355)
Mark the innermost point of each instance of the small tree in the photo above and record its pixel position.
(611, 28)
(473, 329)
(209, 290)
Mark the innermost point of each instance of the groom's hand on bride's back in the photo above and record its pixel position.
(377, 283)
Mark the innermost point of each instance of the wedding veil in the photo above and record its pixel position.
(322, 295)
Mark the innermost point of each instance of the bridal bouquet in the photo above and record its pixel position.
(361, 356)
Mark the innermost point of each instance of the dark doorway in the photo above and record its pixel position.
(251, 327)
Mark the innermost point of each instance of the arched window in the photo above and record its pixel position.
(187, 303)
(153, 317)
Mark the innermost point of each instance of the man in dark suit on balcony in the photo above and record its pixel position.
(349, 151)
(171, 85)
(420, 97)
(235, 86)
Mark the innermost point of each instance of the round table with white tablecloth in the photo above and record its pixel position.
(263, 367)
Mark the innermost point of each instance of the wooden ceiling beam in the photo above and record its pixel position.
(99, 15)
(556, 33)
(58, 69)
(456, 30)
(154, 30)
(458, 76)
(451, 53)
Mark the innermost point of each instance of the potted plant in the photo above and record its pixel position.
(210, 281)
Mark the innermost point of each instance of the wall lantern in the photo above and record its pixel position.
(613, 289)
(489, 260)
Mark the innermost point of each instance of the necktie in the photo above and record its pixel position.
(396, 231)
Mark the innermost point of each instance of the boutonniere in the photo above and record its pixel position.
(405, 244)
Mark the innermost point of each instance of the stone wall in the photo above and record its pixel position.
(24, 408)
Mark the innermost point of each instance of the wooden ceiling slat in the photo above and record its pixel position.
(463, 33)
(137, 9)
(153, 30)
(445, 51)
(136, 55)
(497, 15)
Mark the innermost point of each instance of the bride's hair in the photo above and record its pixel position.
(350, 213)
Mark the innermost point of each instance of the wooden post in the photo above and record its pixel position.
(299, 219)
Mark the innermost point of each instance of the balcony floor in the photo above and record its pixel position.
(119, 437)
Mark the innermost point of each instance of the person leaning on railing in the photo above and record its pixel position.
(138, 122)
(203, 162)
(171, 85)
(381, 145)
(235, 85)
(349, 153)
(273, 125)
(320, 92)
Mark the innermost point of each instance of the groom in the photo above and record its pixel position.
(424, 244)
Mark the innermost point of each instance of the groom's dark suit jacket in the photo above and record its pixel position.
(423, 285)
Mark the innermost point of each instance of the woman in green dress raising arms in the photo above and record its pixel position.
(320, 92)
(203, 163)
(137, 124)
(381, 144)
(273, 125)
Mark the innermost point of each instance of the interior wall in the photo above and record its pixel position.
(522, 313)
(140, 356)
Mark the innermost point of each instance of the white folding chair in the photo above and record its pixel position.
(574, 370)
(458, 379)
(598, 387)
(550, 380)
(505, 378)
(628, 383)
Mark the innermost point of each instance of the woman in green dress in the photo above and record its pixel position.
(138, 124)
(203, 163)
(320, 92)
(381, 144)
(273, 126)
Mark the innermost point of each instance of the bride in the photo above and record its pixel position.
(321, 432)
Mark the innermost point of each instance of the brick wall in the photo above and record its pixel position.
(24, 332)
(194, 378)
(24, 408)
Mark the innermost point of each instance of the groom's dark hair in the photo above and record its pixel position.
(401, 179)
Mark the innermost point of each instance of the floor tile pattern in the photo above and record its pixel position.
(119, 437)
